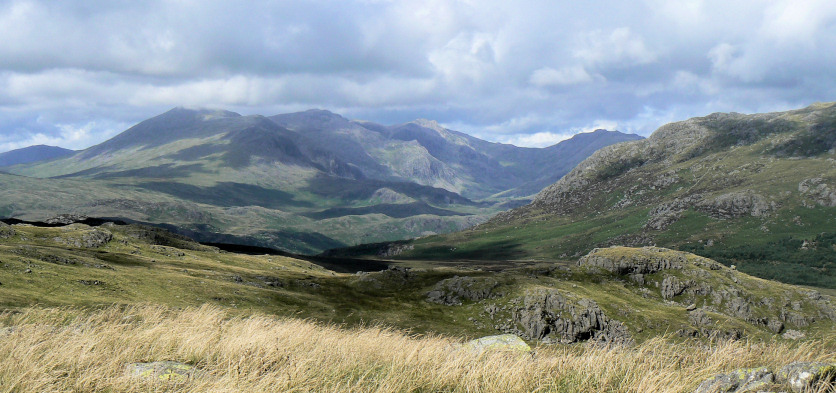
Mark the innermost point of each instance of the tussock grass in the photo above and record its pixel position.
(69, 349)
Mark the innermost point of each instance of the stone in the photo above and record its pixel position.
(699, 318)
(775, 325)
(738, 381)
(164, 370)
(803, 376)
(502, 342)
(792, 334)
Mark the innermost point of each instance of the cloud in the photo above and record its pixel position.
(529, 72)
(537, 139)
(620, 46)
(548, 76)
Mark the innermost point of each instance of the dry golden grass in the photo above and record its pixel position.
(71, 350)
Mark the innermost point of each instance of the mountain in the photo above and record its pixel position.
(757, 191)
(303, 181)
(31, 154)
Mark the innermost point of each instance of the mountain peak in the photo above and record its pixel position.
(426, 123)
(33, 154)
(200, 113)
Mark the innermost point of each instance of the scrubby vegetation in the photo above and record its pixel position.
(789, 259)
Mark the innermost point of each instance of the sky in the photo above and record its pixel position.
(531, 73)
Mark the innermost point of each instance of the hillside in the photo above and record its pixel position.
(93, 300)
(31, 154)
(632, 294)
(303, 182)
(756, 191)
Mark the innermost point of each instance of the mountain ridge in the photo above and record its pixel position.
(757, 191)
(314, 172)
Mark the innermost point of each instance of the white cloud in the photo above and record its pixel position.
(70, 136)
(620, 46)
(493, 68)
(571, 75)
(537, 139)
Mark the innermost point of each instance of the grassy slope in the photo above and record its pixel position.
(163, 297)
(74, 350)
(621, 194)
(39, 268)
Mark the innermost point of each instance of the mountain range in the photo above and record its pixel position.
(303, 181)
(755, 191)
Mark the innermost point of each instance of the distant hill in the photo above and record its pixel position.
(312, 176)
(758, 191)
(31, 154)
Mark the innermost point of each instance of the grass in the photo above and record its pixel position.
(70, 349)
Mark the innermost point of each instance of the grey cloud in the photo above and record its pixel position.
(510, 71)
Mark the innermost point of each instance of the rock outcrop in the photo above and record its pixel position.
(85, 237)
(735, 205)
(804, 376)
(799, 377)
(743, 380)
(689, 280)
(552, 316)
(646, 260)
(453, 291)
(66, 219)
(816, 191)
(6, 231)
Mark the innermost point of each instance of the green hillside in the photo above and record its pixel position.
(757, 191)
(303, 182)
(630, 294)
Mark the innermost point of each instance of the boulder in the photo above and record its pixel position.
(804, 376)
(792, 334)
(738, 381)
(165, 370)
(502, 342)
